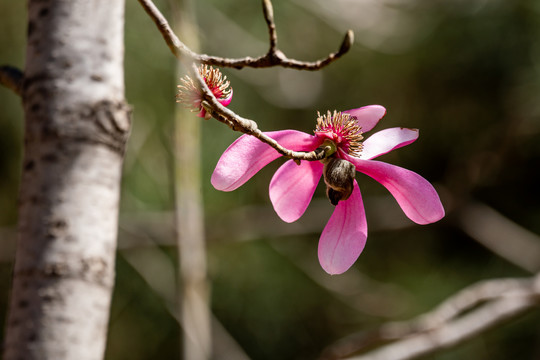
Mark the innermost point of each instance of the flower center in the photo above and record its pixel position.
(216, 81)
(342, 129)
(190, 95)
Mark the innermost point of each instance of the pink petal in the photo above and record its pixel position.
(226, 101)
(292, 188)
(201, 113)
(247, 155)
(386, 140)
(344, 236)
(367, 116)
(414, 194)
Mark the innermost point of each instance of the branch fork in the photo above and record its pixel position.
(274, 57)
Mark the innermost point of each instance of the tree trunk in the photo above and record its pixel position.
(76, 127)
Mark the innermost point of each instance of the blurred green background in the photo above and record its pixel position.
(466, 73)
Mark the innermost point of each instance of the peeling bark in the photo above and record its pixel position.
(76, 127)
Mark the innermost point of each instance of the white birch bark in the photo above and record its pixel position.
(76, 127)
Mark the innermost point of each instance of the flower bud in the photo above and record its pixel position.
(338, 176)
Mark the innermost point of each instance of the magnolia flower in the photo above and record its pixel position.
(292, 186)
(190, 95)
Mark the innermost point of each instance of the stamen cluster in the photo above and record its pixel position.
(343, 129)
(190, 95)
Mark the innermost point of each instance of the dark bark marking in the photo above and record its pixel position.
(104, 122)
(31, 28)
(29, 165)
(50, 157)
(65, 64)
(32, 336)
(46, 298)
(37, 91)
(43, 12)
(56, 229)
(60, 224)
(93, 269)
(14, 322)
(56, 269)
(36, 107)
(114, 121)
(96, 77)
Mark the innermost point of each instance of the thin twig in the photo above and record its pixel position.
(448, 324)
(274, 57)
(178, 48)
(12, 78)
(268, 11)
(249, 127)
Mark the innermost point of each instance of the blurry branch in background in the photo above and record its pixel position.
(149, 229)
(193, 286)
(501, 235)
(468, 313)
(274, 57)
(158, 271)
(140, 227)
(12, 78)
(461, 317)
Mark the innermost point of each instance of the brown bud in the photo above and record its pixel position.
(338, 176)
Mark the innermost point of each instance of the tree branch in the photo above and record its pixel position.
(178, 48)
(492, 230)
(447, 325)
(247, 126)
(274, 57)
(12, 78)
(454, 333)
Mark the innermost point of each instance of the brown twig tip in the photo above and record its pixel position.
(347, 42)
(274, 57)
(12, 78)
(268, 11)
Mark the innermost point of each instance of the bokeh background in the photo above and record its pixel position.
(466, 73)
